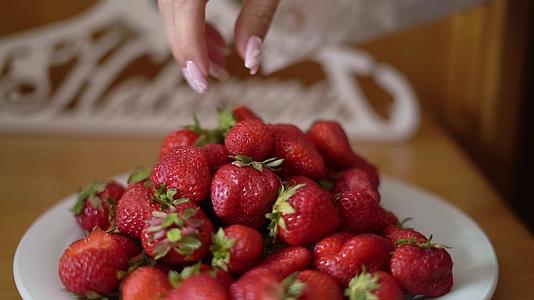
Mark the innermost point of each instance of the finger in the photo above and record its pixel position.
(217, 52)
(250, 30)
(167, 13)
(186, 33)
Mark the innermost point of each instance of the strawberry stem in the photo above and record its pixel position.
(427, 244)
(243, 161)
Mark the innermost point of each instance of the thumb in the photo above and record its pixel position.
(250, 30)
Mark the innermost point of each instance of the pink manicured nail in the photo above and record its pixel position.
(253, 54)
(194, 77)
(218, 72)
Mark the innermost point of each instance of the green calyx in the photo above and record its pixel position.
(293, 288)
(326, 184)
(220, 249)
(176, 278)
(281, 206)
(165, 197)
(226, 120)
(89, 193)
(427, 244)
(139, 175)
(173, 231)
(361, 286)
(243, 161)
(91, 295)
(139, 261)
(205, 136)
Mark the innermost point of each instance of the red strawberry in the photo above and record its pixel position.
(422, 268)
(93, 265)
(396, 234)
(181, 234)
(258, 283)
(95, 205)
(391, 219)
(216, 154)
(199, 287)
(319, 286)
(333, 144)
(133, 208)
(145, 283)
(355, 179)
(178, 138)
(377, 285)
(299, 154)
(130, 246)
(223, 277)
(243, 195)
(242, 112)
(302, 180)
(287, 260)
(186, 170)
(359, 212)
(287, 130)
(236, 248)
(331, 244)
(250, 137)
(366, 249)
(302, 215)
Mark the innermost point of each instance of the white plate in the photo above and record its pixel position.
(475, 263)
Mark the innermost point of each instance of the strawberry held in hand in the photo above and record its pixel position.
(93, 265)
(186, 170)
(422, 268)
(95, 205)
(236, 248)
(181, 234)
(243, 194)
(377, 285)
(302, 214)
(343, 256)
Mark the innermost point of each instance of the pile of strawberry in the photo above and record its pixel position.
(249, 210)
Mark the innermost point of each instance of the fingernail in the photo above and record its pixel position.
(253, 54)
(218, 72)
(194, 77)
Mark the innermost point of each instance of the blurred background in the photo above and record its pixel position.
(472, 71)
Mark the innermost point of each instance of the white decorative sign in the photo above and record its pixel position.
(92, 51)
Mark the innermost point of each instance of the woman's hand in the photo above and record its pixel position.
(200, 49)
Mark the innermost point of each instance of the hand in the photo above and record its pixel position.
(199, 48)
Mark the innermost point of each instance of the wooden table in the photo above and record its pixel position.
(38, 171)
